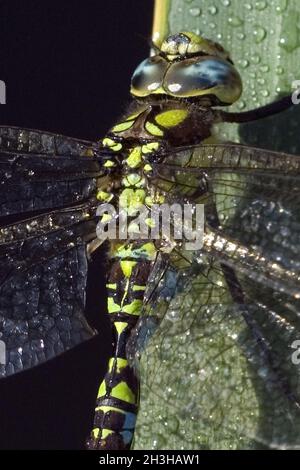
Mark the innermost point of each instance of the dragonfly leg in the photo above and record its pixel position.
(259, 113)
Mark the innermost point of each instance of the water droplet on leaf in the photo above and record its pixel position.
(256, 59)
(212, 10)
(260, 5)
(243, 63)
(259, 34)
(195, 11)
(282, 6)
(235, 21)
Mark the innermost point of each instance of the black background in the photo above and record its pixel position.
(67, 68)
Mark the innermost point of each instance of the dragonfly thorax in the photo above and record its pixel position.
(161, 126)
(142, 139)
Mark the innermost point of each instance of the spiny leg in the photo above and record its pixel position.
(259, 113)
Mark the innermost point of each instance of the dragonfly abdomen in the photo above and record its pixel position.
(117, 399)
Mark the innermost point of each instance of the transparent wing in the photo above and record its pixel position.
(42, 171)
(47, 217)
(222, 369)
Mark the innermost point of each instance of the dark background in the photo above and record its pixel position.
(67, 68)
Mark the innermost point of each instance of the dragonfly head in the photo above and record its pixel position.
(187, 66)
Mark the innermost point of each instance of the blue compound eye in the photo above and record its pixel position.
(148, 76)
(204, 76)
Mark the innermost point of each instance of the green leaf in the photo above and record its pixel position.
(194, 359)
(263, 38)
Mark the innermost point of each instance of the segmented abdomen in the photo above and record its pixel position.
(117, 399)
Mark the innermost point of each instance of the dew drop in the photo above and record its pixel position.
(262, 372)
(248, 6)
(261, 81)
(212, 25)
(242, 105)
(279, 70)
(244, 63)
(158, 442)
(259, 34)
(260, 5)
(226, 3)
(291, 41)
(235, 21)
(282, 6)
(264, 68)
(241, 36)
(265, 93)
(255, 59)
(195, 11)
(212, 10)
(282, 41)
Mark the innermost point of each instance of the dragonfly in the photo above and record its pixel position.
(55, 194)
